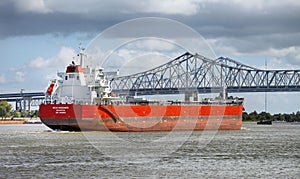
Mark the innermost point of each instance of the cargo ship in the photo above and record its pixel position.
(81, 99)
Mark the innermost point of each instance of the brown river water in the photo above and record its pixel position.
(256, 151)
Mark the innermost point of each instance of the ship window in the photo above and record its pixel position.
(66, 77)
(71, 69)
(71, 76)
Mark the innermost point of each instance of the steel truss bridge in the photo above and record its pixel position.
(189, 74)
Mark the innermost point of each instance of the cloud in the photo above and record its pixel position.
(136, 56)
(134, 61)
(63, 58)
(143, 63)
(293, 56)
(211, 18)
(278, 64)
(32, 6)
(236, 28)
(155, 44)
(17, 74)
(187, 7)
(39, 69)
(40, 62)
(282, 52)
(268, 29)
(20, 76)
(262, 5)
(66, 54)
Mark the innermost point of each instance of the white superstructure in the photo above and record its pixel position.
(79, 85)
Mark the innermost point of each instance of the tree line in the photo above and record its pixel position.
(7, 111)
(265, 116)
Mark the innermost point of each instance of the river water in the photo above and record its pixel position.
(34, 151)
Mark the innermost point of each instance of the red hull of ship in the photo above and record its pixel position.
(141, 118)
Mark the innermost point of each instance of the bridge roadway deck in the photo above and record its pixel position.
(11, 97)
(208, 90)
(40, 95)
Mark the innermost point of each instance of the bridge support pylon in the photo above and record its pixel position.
(24, 103)
(27, 103)
(188, 95)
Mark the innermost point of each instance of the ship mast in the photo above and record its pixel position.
(81, 55)
(266, 95)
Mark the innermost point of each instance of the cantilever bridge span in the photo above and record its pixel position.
(189, 73)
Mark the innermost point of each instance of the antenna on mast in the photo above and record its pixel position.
(81, 55)
(266, 95)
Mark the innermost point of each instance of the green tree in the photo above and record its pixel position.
(264, 116)
(253, 116)
(16, 113)
(24, 113)
(298, 116)
(5, 109)
(245, 116)
(278, 117)
(2, 111)
(34, 113)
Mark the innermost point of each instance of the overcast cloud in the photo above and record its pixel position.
(247, 26)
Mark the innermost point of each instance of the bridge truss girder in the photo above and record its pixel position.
(189, 73)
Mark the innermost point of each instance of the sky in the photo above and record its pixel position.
(40, 37)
